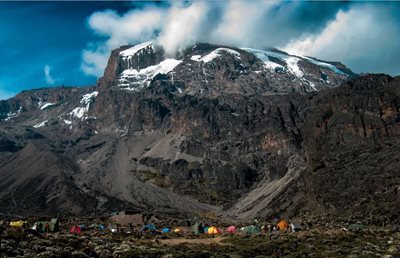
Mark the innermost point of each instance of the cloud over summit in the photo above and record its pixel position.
(328, 30)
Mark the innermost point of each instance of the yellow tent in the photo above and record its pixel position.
(213, 231)
(177, 230)
(283, 225)
(17, 224)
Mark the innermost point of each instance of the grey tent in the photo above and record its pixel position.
(126, 219)
(295, 227)
(356, 227)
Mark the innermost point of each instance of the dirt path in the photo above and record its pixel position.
(205, 241)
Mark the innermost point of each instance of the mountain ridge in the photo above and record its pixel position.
(211, 136)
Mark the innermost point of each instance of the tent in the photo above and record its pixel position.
(197, 227)
(165, 230)
(178, 230)
(231, 229)
(395, 228)
(40, 225)
(213, 230)
(250, 229)
(75, 230)
(205, 229)
(94, 226)
(282, 225)
(82, 226)
(17, 224)
(356, 227)
(113, 227)
(128, 219)
(149, 227)
(295, 227)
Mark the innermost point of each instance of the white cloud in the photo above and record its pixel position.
(365, 32)
(47, 75)
(362, 37)
(132, 27)
(94, 61)
(242, 22)
(182, 27)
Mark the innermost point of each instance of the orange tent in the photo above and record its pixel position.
(283, 225)
(178, 230)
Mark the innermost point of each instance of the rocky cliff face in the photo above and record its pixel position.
(213, 131)
(351, 139)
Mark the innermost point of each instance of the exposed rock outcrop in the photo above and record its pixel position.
(236, 133)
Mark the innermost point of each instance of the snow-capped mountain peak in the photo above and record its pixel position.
(204, 68)
(137, 48)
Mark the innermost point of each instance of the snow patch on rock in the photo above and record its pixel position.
(134, 80)
(80, 112)
(323, 64)
(215, 54)
(133, 50)
(41, 124)
(46, 105)
(291, 61)
(88, 98)
(12, 115)
(267, 56)
(196, 58)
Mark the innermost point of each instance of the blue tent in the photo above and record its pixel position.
(165, 230)
(102, 227)
(205, 230)
(149, 227)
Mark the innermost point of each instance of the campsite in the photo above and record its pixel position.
(130, 234)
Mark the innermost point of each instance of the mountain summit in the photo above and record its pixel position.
(231, 132)
(212, 70)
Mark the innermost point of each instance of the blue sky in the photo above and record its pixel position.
(45, 44)
(34, 35)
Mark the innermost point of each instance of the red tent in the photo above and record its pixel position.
(231, 229)
(75, 230)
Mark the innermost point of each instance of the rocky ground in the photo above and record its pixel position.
(318, 239)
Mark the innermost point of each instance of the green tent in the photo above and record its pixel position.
(197, 228)
(250, 229)
(94, 226)
(40, 226)
(356, 227)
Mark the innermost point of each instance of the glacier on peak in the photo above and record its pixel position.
(139, 64)
(215, 54)
(133, 50)
(133, 79)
